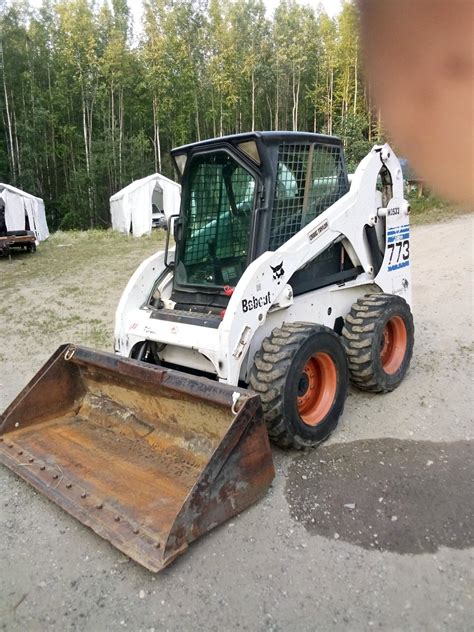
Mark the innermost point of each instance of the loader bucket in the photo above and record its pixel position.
(147, 457)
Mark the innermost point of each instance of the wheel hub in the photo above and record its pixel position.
(303, 384)
(316, 388)
(393, 345)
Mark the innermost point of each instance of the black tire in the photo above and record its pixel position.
(378, 337)
(286, 370)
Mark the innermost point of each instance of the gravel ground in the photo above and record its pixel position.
(374, 530)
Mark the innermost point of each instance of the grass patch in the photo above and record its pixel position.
(69, 288)
(431, 209)
(81, 252)
(60, 326)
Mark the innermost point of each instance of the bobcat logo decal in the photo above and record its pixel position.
(278, 271)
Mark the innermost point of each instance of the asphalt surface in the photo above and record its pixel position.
(373, 530)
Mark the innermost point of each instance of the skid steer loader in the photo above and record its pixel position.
(285, 282)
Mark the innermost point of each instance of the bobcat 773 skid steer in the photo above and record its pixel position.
(285, 283)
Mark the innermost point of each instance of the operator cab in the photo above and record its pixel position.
(243, 195)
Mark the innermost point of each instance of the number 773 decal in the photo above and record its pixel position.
(398, 246)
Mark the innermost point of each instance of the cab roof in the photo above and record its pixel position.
(267, 138)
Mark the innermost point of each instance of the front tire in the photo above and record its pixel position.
(302, 378)
(378, 337)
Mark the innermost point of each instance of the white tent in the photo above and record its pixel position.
(20, 205)
(131, 208)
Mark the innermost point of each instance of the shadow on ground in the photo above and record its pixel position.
(386, 494)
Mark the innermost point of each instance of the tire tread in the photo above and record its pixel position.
(358, 340)
(268, 375)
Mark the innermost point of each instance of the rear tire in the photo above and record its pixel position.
(378, 337)
(302, 378)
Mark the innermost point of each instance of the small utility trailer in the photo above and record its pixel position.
(23, 239)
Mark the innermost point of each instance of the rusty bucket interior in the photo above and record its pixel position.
(148, 457)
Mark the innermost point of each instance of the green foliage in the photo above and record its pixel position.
(353, 130)
(425, 202)
(88, 105)
(430, 208)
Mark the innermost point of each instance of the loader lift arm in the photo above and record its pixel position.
(344, 220)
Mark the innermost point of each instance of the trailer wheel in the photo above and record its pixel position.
(302, 377)
(378, 337)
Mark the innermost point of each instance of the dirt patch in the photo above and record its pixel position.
(76, 581)
(67, 291)
(387, 494)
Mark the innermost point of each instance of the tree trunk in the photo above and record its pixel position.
(156, 136)
(356, 87)
(379, 126)
(369, 111)
(196, 108)
(277, 103)
(17, 145)
(296, 95)
(87, 136)
(315, 101)
(158, 143)
(253, 100)
(331, 100)
(11, 152)
(214, 130)
(221, 117)
(270, 110)
(112, 134)
(52, 132)
(121, 119)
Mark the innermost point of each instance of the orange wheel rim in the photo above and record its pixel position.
(393, 345)
(317, 388)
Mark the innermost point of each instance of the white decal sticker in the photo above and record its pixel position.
(319, 230)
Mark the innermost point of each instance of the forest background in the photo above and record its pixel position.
(90, 102)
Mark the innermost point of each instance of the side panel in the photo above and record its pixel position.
(134, 296)
(322, 306)
(394, 276)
